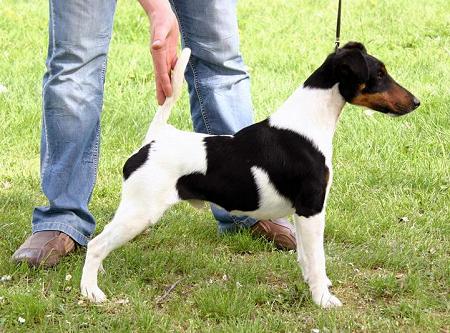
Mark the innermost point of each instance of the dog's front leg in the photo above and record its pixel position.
(312, 259)
(301, 258)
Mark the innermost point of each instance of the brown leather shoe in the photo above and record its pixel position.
(280, 231)
(44, 248)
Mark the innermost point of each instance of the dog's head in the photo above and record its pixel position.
(364, 80)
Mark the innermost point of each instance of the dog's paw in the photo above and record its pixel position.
(326, 300)
(328, 282)
(94, 294)
(332, 302)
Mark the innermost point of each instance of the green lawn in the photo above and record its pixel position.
(391, 272)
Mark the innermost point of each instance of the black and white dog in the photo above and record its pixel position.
(271, 169)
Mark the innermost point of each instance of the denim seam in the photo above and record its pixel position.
(240, 223)
(97, 136)
(52, 23)
(64, 226)
(196, 82)
(52, 41)
(200, 99)
(103, 71)
(95, 163)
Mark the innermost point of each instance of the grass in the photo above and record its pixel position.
(391, 273)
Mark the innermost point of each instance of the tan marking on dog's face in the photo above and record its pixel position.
(395, 99)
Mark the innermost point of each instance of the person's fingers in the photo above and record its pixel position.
(166, 86)
(158, 44)
(160, 97)
(163, 50)
(162, 71)
(159, 35)
(163, 86)
(174, 61)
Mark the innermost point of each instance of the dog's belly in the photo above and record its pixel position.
(271, 204)
(265, 214)
(251, 195)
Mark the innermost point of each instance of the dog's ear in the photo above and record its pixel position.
(355, 45)
(350, 66)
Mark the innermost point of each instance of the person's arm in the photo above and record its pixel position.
(163, 43)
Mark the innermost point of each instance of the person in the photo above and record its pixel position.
(79, 36)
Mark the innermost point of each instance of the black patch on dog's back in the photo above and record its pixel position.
(295, 167)
(228, 181)
(136, 160)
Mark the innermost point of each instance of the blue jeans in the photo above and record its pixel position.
(79, 36)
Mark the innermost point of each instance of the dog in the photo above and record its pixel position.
(271, 169)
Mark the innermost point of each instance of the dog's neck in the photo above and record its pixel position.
(313, 113)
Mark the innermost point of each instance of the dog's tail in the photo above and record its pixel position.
(163, 112)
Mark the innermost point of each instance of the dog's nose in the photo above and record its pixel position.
(416, 102)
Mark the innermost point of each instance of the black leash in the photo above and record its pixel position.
(338, 27)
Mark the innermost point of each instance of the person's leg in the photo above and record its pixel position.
(79, 35)
(218, 81)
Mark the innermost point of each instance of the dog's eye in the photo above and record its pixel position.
(380, 74)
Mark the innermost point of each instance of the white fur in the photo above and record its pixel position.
(271, 203)
(311, 257)
(151, 189)
(312, 113)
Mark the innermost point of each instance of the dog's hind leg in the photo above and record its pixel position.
(313, 259)
(131, 218)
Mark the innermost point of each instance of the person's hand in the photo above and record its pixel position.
(163, 44)
(163, 47)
